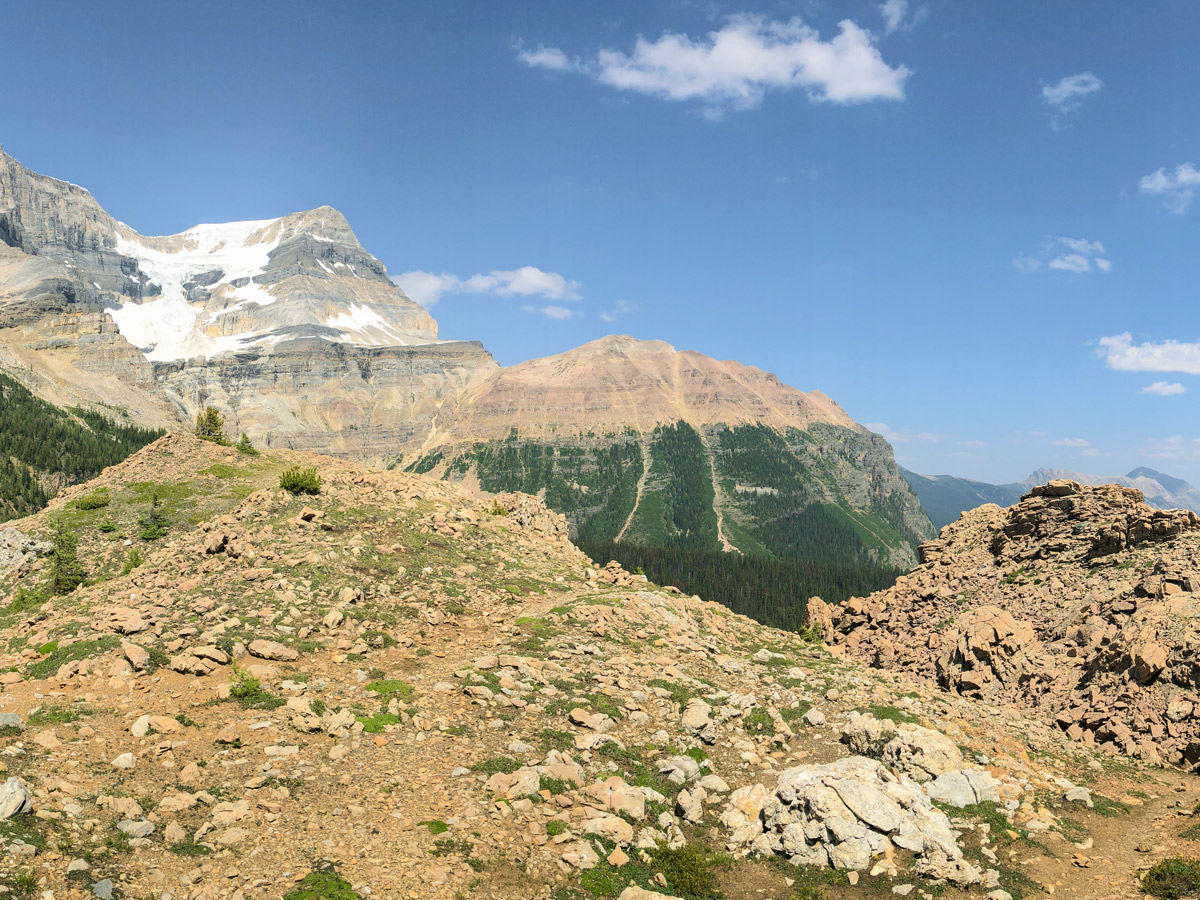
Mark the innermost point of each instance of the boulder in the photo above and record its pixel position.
(15, 798)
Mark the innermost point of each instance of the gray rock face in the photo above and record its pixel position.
(964, 787)
(844, 814)
(17, 548)
(15, 798)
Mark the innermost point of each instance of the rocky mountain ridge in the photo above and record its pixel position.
(1078, 604)
(393, 688)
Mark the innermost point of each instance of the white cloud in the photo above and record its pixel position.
(1070, 442)
(1177, 188)
(733, 68)
(1064, 254)
(1123, 355)
(1067, 94)
(1091, 451)
(551, 311)
(548, 58)
(426, 288)
(1164, 389)
(974, 445)
(620, 308)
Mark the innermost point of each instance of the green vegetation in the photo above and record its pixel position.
(496, 764)
(324, 884)
(247, 690)
(769, 590)
(1173, 878)
(40, 439)
(782, 498)
(687, 870)
(97, 499)
(210, 426)
(244, 446)
(391, 688)
(66, 571)
(51, 661)
(300, 480)
(154, 523)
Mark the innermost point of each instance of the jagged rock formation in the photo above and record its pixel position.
(1079, 602)
(288, 323)
(639, 443)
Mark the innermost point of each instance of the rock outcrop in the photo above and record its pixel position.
(1082, 603)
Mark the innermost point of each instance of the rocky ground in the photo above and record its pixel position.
(395, 688)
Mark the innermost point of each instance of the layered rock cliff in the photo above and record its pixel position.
(288, 324)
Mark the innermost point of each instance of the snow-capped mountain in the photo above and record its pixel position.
(288, 322)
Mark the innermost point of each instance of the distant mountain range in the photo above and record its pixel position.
(944, 497)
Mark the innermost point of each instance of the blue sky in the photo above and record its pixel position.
(970, 224)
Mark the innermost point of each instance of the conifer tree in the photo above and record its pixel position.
(210, 426)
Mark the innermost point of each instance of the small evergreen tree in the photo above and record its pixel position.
(66, 572)
(154, 524)
(210, 426)
(245, 447)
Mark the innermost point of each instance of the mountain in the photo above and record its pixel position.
(944, 497)
(1079, 604)
(1161, 491)
(394, 688)
(288, 324)
(296, 334)
(640, 444)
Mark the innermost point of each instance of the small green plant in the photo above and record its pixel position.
(190, 847)
(244, 446)
(133, 559)
(498, 509)
(555, 827)
(1172, 878)
(496, 764)
(107, 527)
(757, 721)
(97, 499)
(435, 826)
(323, 884)
(300, 480)
(392, 688)
(210, 426)
(247, 690)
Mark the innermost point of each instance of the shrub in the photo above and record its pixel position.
(1172, 878)
(300, 480)
(210, 426)
(244, 446)
(132, 560)
(95, 500)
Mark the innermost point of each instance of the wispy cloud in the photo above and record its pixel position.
(904, 436)
(1064, 254)
(551, 311)
(1121, 354)
(896, 15)
(427, 288)
(1071, 442)
(1164, 389)
(1066, 95)
(1176, 447)
(1177, 189)
(620, 309)
(734, 67)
